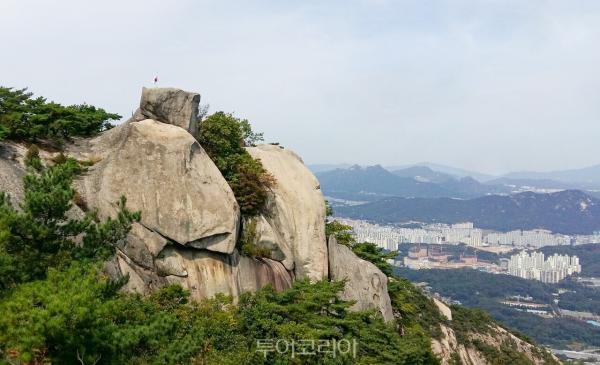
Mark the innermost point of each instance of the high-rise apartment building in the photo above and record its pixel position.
(534, 266)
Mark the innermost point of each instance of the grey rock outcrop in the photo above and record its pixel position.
(190, 218)
(295, 214)
(164, 173)
(172, 106)
(443, 308)
(142, 246)
(206, 273)
(255, 273)
(365, 283)
(11, 173)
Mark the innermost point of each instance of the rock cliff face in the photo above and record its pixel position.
(190, 220)
(495, 345)
(449, 350)
(295, 215)
(11, 172)
(365, 283)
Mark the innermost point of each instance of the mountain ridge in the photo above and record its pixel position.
(584, 178)
(567, 212)
(375, 182)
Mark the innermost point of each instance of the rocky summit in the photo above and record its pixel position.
(191, 225)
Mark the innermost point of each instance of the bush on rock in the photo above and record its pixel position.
(224, 137)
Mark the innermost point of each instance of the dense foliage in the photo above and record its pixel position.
(313, 311)
(414, 310)
(247, 244)
(43, 235)
(224, 137)
(477, 289)
(578, 297)
(23, 117)
(3, 132)
(78, 313)
(468, 325)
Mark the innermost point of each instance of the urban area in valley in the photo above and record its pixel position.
(427, 250)
(518, 253)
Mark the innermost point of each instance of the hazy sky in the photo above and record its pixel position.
(486, 85)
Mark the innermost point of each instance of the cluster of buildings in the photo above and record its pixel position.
(422, 256)
(389, 237)
(425, 252)
(535, 266)
(526, 304)
(534, 238)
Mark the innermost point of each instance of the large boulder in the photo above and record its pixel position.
(365, 283)
(172, 106)
(295, 214)
(190, 218)
(164, 173)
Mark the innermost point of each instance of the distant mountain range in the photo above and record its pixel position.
(328, 167)
(557, 201)
(448, 170)
(424, 174)
(374, 182)
(447, 177)
(568, 212)
(588, 177)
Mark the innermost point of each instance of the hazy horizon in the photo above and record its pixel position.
(423, 163)
(490, 86)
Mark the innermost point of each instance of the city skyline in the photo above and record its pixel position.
(389, 236)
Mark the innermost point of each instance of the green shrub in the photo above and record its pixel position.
(32, 158)
(247, 242)
(77, 315)
(467, 320)
(42, 235)
(30, 119)
(413, 309)
(341, 232)
(3, 132)
(224, 137)
(375, 254)
(506, 353)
